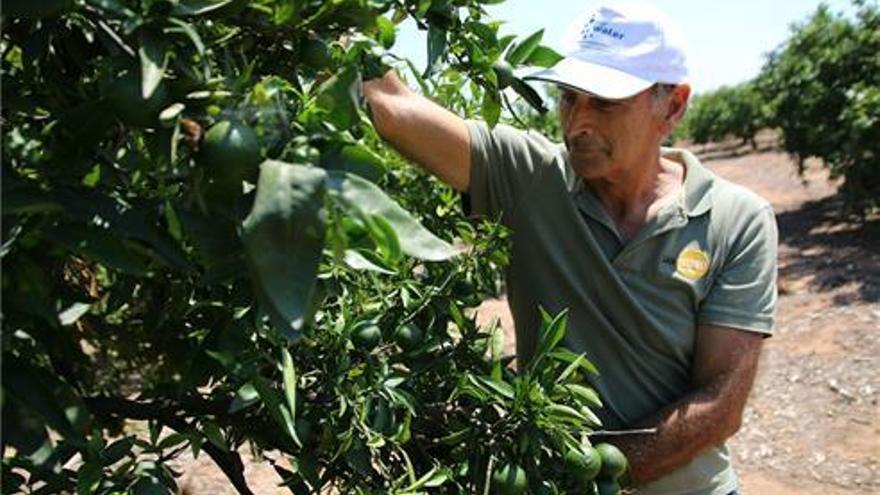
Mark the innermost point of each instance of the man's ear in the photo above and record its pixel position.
(678, 101)
(676, 105)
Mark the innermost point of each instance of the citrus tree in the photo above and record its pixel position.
(821, 90)
(205, 245)
(824, 87)
(727, 112)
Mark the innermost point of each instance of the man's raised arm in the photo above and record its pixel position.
(421, 130)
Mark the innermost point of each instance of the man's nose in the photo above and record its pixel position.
(583, 106)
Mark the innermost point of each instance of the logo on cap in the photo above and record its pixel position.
(591, 27)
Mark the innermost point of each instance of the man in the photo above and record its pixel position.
(669, 272)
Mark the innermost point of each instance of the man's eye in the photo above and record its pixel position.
(604, 105)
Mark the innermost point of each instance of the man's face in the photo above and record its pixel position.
(603, 135)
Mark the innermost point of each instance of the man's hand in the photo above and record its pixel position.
(421, 130)
(725, 364)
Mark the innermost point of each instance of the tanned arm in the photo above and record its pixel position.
(725, 364)
(426, 133)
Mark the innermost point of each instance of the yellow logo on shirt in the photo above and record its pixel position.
(692, 263)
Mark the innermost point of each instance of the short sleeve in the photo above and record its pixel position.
(744, 292)
(504, 163)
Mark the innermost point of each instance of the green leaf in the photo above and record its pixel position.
(54, 400)
(435, 477)
(587, 396)
(198, 7)
(88, 477)
(366, 199)
(339, 98)
(505, 41)
(529, 94)
(218, 247)
(543, 56)
(385, 238)
(124, 221)
(245, 396)
(387, 32)
(354, 158)
(286, 12)
(590, 416)
(72, 313)
(496, 349)
(437, 41)
(501, 390)
(23, 428)
(422, 82)
(283, 237)
(99, 245)
(114, 452)
(214, 435)
(289, 373)
(151, 480)
(520, 52)
(20, 198)
(565, 414)
(151, 53)
(565, 355)
(457, 317)
(277, 411)
(172, 440)
(573, 366)
(358, 260)
(191, 32)
(550, 335)
(491, 109)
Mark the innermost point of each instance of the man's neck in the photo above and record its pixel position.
(634, 194)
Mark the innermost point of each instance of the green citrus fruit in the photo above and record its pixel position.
(125, 100)
(34, 9)
(583, 466)
(314, 53)
(366, 336)
(504, 73)
(230, 153)
(408, 337)
(606, 486)
(613, 461)
(509, 479)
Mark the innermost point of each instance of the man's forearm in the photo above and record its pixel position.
(724, 367)
(685, 429)
(426, 133)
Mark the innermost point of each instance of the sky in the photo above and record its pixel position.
(727, 39)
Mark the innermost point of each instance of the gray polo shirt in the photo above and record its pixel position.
(707, 258)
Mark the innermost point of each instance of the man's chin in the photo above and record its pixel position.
(589, 167)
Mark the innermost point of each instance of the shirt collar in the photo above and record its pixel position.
(697, 188)
(697, 183)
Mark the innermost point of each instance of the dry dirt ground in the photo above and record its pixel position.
(812, 425)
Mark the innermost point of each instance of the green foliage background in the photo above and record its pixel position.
(821, 90)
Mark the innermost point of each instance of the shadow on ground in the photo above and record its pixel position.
(834, 249)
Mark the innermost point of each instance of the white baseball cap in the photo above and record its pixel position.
(616, 51)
